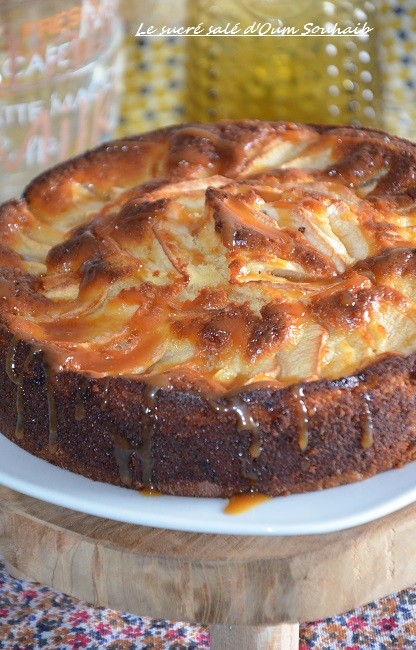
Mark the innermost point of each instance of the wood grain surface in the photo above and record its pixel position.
(214, 579)
(244, 637)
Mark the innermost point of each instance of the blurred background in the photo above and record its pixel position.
(74, 74)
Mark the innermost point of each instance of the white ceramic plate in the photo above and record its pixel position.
(299, 514)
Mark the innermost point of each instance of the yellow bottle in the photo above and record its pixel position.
(281, 66)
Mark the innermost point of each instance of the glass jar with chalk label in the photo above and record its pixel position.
(60, 66)
(298, 60)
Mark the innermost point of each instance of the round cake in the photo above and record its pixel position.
(209, 310)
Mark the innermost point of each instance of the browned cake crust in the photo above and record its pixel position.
(209, 310)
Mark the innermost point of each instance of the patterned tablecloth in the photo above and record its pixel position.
(34, 616)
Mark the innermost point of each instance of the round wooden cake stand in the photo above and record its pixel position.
(253, 591)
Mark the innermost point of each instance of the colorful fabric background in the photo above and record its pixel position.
(34, 616)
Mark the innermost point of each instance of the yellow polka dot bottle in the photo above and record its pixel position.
(154, 69)
(398, 58)
(285, 62)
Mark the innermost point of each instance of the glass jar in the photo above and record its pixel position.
(281, 66)
(59, 83)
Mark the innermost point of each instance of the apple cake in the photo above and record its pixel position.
(210, 310)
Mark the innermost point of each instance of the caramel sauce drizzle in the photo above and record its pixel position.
(104, 399)
(367, 439)
(245, 419)
(241, 503)
(144, 452)
(255, 448)
(237, 504)
(50, 377)
(150, 492)
(302, 416)
(11, 361)
(123, 454)
(80, 411)
(245, 422)
(18, 380)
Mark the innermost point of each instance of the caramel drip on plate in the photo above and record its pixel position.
(150, 492)
(302, 416)
(367, 439)
(80, 411)
(241, 503)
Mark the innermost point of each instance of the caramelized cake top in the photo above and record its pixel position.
(234, 253)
